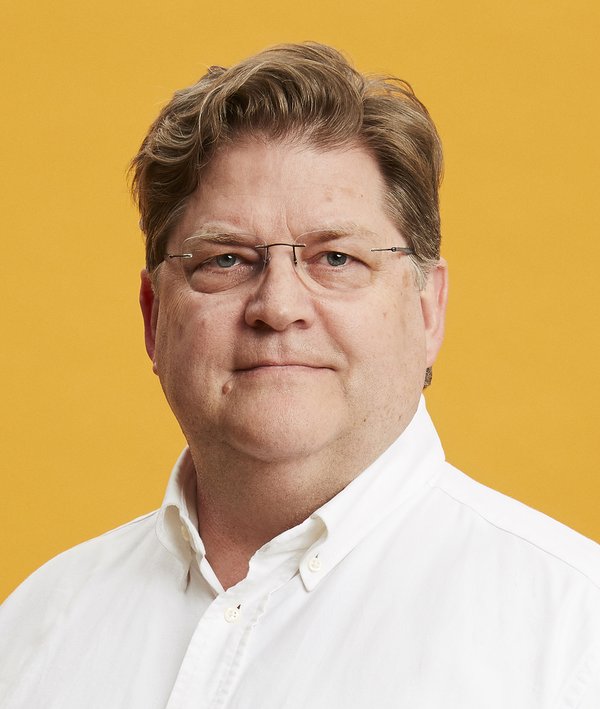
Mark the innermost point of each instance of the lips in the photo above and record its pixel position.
(278, 364)
(306, 360)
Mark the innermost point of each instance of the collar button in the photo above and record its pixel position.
(315, 564)
(232, 615)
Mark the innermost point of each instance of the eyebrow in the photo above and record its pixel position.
(331, 233)
(220, 235)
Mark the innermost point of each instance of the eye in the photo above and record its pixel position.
(336, 258)
(226, 260)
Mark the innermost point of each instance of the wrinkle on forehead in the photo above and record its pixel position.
(267, 189)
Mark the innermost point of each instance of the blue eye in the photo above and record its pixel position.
(335, 258)
(226, 260)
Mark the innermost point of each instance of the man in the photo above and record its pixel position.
(313, 549)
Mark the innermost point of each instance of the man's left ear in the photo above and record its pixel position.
(149, 306)
(434, 297)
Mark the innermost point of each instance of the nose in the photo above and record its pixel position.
(280, 299)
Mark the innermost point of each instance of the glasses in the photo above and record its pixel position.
(220, 262)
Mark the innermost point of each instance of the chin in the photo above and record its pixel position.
(282, 433)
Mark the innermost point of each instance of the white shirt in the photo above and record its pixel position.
(415, 587)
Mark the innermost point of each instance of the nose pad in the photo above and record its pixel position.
(267, 253)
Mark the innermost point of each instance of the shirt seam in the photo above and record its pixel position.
(515, 534)
(130, 523)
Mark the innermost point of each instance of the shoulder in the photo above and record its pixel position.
(86, 591)
(74, 568)
(512, 523)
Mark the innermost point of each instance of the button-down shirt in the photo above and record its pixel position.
(414, 587)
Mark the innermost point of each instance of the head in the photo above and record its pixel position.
(293, 144)
(306, 94)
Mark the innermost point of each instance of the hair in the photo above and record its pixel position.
(306, 93)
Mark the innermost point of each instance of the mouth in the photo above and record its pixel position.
(278, 372)
(279, 366)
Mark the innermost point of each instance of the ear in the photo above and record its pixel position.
(149, 305)
(434, 297)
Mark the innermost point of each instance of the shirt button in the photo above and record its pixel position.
(232, 615)
(184, 533)
(315, 564)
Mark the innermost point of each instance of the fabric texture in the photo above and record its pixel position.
(414, 587)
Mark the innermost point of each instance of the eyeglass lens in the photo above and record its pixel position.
(213, 264)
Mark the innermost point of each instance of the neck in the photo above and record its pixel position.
(245, 498)
(243, 502)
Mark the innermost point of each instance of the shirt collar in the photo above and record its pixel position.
(405, 467)
(177, 520)
(411, 462)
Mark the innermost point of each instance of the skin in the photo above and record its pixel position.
(286, 393)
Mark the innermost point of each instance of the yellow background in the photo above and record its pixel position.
(87, 440)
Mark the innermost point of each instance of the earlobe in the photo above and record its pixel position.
(433, 303)
(149, 306)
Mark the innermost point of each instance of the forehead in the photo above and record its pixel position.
(279, 188)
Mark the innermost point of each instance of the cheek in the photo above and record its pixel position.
(170, 326)
(195, 332)
(396, 331)
(399, 305)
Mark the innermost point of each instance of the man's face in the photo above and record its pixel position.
(276, 369)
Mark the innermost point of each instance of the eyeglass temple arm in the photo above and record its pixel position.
(400, 249)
